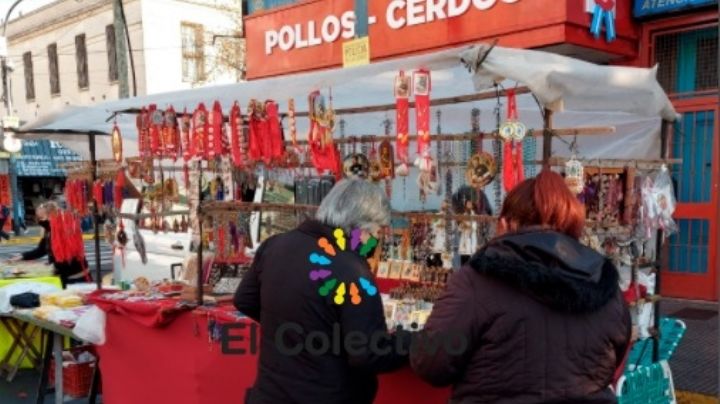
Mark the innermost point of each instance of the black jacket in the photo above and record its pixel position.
(278, 292)
(544, 322)
(43, 247)
(64, 269)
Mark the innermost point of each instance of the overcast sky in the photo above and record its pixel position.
(25, 6)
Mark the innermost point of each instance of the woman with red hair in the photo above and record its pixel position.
(535, 317)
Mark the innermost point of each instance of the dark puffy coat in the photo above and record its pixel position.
(543, 320)
(277, 291)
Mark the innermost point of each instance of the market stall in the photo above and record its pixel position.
(248, 173)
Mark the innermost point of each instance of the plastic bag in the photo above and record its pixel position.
(658, 205)
(664, 199)
(90, 326)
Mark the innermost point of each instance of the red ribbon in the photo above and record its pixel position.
(606, 5)
(513, 171)
(512, 114)
(235, 132)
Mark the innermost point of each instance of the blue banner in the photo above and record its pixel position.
(42, 158)
(646, 8)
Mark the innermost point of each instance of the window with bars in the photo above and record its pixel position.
(111, 53)
(29, 76)
(53, 69)
(689, 247)
(688, 60)
(193, 52)
(692, 141)
(81, 62)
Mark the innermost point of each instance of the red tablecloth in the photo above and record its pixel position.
(178, 364)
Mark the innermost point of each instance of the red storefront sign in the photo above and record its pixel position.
(309, 35)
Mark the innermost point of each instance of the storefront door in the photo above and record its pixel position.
(691, 267)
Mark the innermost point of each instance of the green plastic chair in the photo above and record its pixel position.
(672, 331)
(650, 384)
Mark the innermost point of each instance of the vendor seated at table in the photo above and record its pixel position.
(72, 272)
(311, 286)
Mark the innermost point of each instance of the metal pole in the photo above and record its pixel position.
(6, 76)
(120, 49)
(96, 212)
(665, 127)
(199, 292)
(547, 136)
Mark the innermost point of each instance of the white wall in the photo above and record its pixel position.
(36, 31)
(154, 27)
(163, 43)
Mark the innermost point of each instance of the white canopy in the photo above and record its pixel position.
(630, 99)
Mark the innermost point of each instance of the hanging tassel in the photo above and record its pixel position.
(402, 107)
(156, 122)
(200, 129)
(188, 150)
(255, 122)
(171, 137)
(235, 138)
(276, 146)
(118, 194)
(142, 121)
(421, 86)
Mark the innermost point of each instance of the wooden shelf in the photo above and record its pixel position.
(649, 299)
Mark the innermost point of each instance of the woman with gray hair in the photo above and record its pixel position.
(324, 336)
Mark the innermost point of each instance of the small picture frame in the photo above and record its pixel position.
(414, 275)
(402, 85)
(389, 309)
(396, 268)
(383, 269)
(421, 83)
(407, 269)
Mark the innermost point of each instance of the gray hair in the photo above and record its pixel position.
(354, 203)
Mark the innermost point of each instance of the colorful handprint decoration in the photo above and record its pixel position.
(321, 267)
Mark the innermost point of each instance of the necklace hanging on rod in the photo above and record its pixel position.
(497, 150)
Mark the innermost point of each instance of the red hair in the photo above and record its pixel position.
(545, 201)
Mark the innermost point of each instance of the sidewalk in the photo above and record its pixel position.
(695, 363)
(33, 237)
